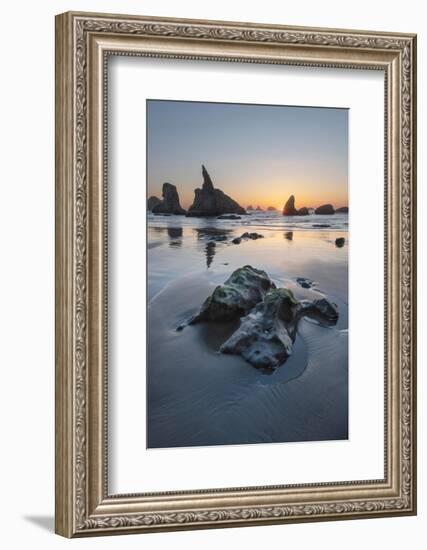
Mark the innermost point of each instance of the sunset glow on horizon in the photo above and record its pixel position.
(258, 155)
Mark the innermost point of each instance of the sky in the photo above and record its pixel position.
(256, 154)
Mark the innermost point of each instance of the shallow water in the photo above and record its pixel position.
(197, 396)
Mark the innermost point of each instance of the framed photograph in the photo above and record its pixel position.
(235, 274)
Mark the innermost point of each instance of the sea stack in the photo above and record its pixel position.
(342, 210)
(304, 211)
(152, 202)
(209, 201)
(290, 210)
(170, 203)
(325, 210)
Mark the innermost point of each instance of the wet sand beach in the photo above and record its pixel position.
(199, 396)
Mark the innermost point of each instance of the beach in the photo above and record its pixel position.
(198, 396)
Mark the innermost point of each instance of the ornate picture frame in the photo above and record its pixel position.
(84, 506)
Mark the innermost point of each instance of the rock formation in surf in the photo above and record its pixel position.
(170, 203)
(342, 210)
(245, 236)
(209, 201)
(290, 210)
(152, 202)
(303, 211)
(325, 210)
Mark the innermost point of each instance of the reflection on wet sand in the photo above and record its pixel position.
(210, 253)
(174, 234)
(212, 236)
(212, 233)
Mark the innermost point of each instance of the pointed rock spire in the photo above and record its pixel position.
(209, 201)
(207, 182)
(289, 208)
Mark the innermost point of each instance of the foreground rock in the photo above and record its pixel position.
(325, 210)
(236, 297)
(209, 201)
(339, 242)
(269, 316)
(152, 202)
(266, 335)
(290, 210)
(342, 210)
(170, 203)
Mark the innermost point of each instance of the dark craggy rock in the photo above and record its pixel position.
(325, 210)
(236, 297)
(152, 202)
(342, 210)
(170, 203)
(209, 201)
(304, 282)
(245, 236)
(266, 335)
(339, 242)
(290, 210)
(321, 310)
(269, 316)
(252, 236)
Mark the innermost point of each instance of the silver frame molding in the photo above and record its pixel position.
(83, 43)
